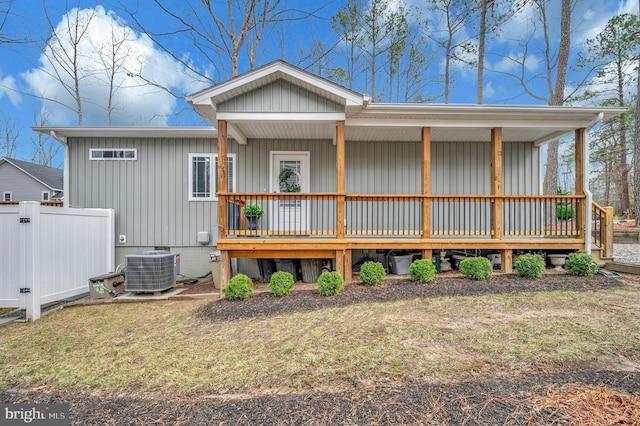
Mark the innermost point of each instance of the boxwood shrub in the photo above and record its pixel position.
(240, 287)
(530, 265)
(372, 273)
(330, 283)
(422, 270)
(281, 283)
(580, 263)
(477, 268)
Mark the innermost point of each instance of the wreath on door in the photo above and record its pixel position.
(285, 186)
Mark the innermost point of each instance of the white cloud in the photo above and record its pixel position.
(8, 89)
(488, 91)
(135, 101)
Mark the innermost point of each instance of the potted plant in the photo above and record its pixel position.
(253, 213)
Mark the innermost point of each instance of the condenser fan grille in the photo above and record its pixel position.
(151, 271)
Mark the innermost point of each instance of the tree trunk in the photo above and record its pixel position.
(550, 185)
(636, 150)
(483, 32)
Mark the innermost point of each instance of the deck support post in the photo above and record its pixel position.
(340, 258)
(222, 179)
(426, 183)
(225, 268)
(506, 261)
(496, 191)
(427, 254)
(348, 271)
(340, 185)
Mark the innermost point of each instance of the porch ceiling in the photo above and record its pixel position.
(323, 131)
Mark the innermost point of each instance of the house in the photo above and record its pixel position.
(336, 176)
(24, 181)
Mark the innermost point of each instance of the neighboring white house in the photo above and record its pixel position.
(24, 181)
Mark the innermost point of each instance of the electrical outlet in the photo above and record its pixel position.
(122, 239)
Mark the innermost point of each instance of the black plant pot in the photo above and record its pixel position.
(252, 222)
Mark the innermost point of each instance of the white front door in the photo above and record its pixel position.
(290, 215)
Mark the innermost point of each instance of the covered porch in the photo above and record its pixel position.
(331, 225)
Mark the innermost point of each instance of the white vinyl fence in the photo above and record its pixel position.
(49, 253)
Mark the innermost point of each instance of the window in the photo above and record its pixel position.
(6, 196)
(202, 181)
(113, 154)
(45, 195)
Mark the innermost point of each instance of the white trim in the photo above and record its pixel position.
(113, 150)
(306, 177)
(213, 175)
(134, 132)
(236, 133)
(48, 194)
(281, 116)
(272, 72)
(462, 122)
(4, 196)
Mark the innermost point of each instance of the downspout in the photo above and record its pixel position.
(585, 181)
(65, 172)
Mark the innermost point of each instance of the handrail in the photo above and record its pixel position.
(400, 215)
(602, 228)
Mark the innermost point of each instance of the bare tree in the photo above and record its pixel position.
(555, 58)
(63, 53)
(456, 14)
(112, 54)
(45, 150)
(612, 54)
(636, 145)
(224, 33)
(9, 134)
(347, 23)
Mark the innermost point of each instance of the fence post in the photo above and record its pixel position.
(29, 278)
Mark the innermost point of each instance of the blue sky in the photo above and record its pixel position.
(25, 78)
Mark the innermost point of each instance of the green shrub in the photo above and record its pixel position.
(281, 283)
(240, 287)
(565, 212)
(580, 263)
(530, 265)
(476, 268)
(422, 270)
(372, 273)
(330, 283)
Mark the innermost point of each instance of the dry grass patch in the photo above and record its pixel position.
(165, 346)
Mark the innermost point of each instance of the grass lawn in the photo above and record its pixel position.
(167, 347)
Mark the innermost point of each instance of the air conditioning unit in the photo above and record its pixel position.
(151, 271)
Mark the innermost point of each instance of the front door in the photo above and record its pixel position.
(291, 216)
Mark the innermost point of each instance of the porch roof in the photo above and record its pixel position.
(368, 121)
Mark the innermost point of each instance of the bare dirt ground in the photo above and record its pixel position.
(569, 395)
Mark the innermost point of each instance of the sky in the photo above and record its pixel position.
(29, 87)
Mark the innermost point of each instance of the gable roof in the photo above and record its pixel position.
(269, 73)
(50, 177)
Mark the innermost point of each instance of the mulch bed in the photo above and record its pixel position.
(604, 397)
(306, 297)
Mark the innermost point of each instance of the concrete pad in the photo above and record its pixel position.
(151, 296)
(7, 320)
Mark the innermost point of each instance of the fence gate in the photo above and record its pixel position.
(48, 254)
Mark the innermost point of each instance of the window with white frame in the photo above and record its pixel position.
(6, 196)
(45, 195)
(113, 154)
(203, 184)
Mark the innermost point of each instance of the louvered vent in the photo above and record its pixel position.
(151, 271)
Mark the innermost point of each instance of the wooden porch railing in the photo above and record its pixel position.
(400, 215)
(602, 229)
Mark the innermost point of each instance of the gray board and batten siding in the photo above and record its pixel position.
(280, 96)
